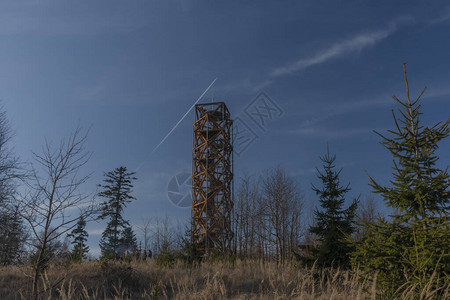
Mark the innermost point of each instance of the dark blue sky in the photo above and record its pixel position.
(131, 69)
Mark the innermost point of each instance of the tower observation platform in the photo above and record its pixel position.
(212, 178)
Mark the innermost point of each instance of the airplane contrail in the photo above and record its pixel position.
(176, 125)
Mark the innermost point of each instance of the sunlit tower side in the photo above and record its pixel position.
(212, 178)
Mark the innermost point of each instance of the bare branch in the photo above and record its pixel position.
(47, 207)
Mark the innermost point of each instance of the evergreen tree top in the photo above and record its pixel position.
(332, 193)
(419, 188)
(79, 236)
(79, 233)
(117, 191)
(117, 182)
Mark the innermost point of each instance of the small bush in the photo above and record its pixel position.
(166, 259)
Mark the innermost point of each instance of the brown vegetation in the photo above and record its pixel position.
(214, 280)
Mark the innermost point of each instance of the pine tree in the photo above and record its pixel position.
(333, 223)
(128, 239)
(117, 191)
(12, 236)
(79, 242)
(412, 247)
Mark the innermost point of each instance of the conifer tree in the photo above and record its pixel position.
(128, 239)
(13, 236)
(79, 242)
(333, 223)
(117, 191)
(412, 247)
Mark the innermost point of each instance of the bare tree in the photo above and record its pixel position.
(246, 217)
(164, 235)
(55, 202)
(367, 212)
(267, 216)
(241, 217)
(282, 207)
(144, 228)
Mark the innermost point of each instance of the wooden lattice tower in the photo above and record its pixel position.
(212, 178)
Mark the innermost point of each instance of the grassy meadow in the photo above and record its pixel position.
(208, 280)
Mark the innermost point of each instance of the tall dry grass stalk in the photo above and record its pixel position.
(238, 280)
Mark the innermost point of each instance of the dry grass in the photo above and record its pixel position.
(241, 280)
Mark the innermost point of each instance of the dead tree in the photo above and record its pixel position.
(282, 207)
(144, 228)
(55, 203)
(246, 218)
(164, 235)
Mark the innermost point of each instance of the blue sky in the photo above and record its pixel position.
(131, 69)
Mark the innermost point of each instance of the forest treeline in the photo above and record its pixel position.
(44, 212)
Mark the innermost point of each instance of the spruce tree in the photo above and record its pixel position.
(333, 223)
(411, 248)
(128, 239)
(117, 191)
(13, 236)
(79, 242)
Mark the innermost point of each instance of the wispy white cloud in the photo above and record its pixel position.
(335, 50)
(338, 49)
(444, 17)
